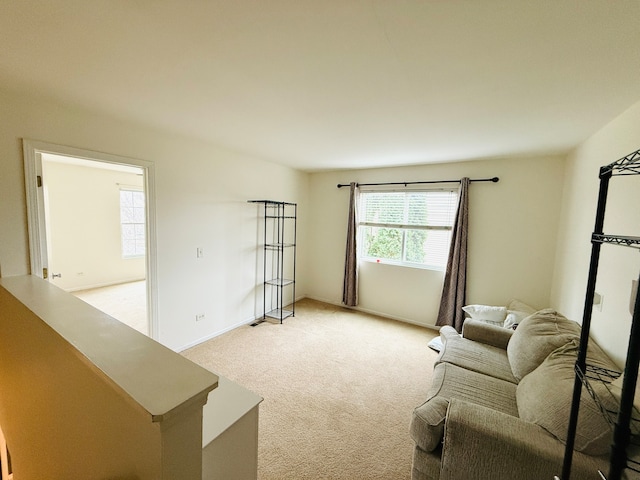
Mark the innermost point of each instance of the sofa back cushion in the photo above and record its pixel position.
(544, 398)
(536, 337)
(520, 306)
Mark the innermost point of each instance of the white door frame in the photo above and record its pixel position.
(32, 150)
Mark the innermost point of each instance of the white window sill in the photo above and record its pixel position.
(403, 264)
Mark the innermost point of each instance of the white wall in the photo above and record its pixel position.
(201, 200)
(618, 265)
(512, 236)
(84, 236)
(202, 191)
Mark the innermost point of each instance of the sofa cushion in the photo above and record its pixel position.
(450, 381)
(481, 444)
(476, 356)
(427, 423)
(544, 398)
(536, 337)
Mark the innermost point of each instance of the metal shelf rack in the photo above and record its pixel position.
(625, 421)
(279, 259)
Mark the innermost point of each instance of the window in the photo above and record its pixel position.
(132, 222)
(411, 228)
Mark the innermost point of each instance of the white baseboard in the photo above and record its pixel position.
(251, 320)
(375, 312)
(215, 334)
(225, 330)
(101, 285)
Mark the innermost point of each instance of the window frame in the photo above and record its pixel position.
(137, 254)
(403, 227)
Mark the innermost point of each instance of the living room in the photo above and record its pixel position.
(529, 233)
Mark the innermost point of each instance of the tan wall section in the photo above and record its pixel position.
(512, 235)
(84, 235)
(618, 265)
(201, 202)
(85, 396)
(60, 419)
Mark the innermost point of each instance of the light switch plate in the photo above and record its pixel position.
(598, 300)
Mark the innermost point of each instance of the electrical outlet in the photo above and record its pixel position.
(199, 317)
(199, 252)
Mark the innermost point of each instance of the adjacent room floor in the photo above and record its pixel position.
(126, 302)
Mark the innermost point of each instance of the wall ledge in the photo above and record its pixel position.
(154, 378)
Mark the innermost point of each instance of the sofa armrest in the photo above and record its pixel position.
(481, 443)
(486, 333)
(447, 333)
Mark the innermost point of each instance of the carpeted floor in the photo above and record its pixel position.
(126, 302)
(339, 388)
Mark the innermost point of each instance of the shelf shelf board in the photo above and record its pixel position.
(602, 375)
(279, 246)
(279, 282)
(627, 165)
(272, 203)
(279, 314)
(627, 241)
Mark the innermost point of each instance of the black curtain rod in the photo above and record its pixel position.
(494, 180)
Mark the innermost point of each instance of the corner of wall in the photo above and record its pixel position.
(617, 266)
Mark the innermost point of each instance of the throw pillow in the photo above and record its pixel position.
(536, 337)
(514, 317)
(544, 398)
(487, 313)
(520, 306)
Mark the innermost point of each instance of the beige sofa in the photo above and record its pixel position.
(499, 403)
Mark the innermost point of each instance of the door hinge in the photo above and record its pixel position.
(45, 273)
(39, 180)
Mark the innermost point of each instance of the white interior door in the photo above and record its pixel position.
(38, 215)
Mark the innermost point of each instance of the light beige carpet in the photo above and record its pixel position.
(126, 302)
(339, 388)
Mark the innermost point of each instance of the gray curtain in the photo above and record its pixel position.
(350, 287)
(455, 278)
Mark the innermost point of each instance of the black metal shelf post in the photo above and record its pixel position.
(279, 258)
(628, 165)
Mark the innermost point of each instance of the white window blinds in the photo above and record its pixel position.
(408, 227)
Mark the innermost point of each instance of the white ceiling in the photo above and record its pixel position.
(327, 84)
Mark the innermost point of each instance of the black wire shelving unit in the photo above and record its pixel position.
(625, 421)
(279, 259)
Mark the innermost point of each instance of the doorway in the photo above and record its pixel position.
(91, 228)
